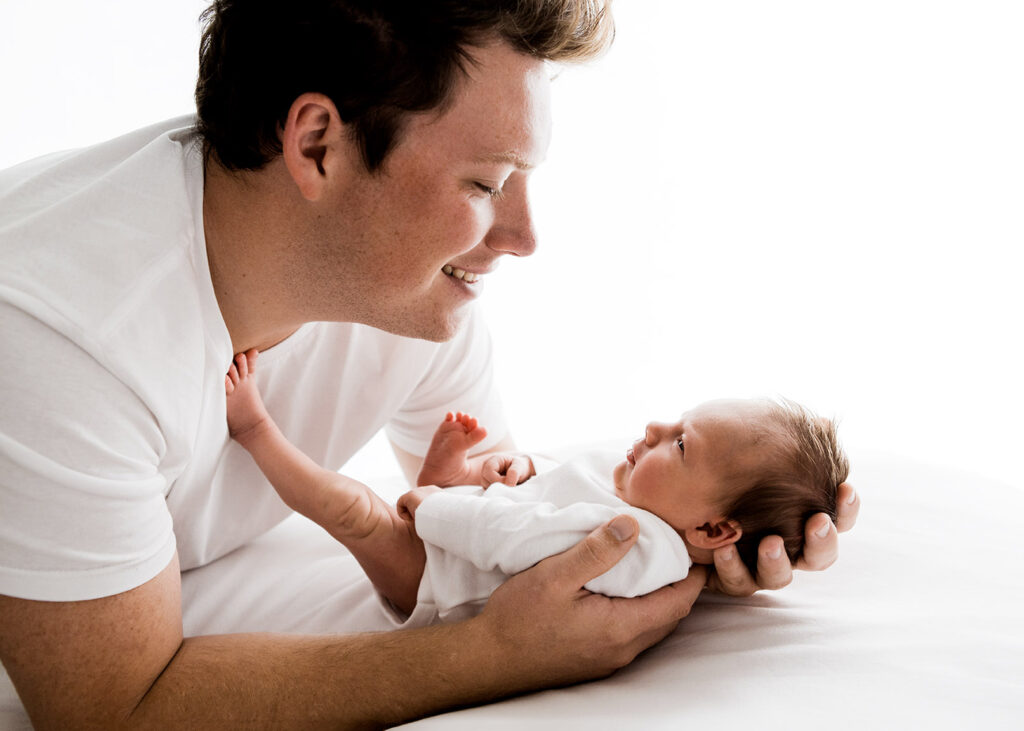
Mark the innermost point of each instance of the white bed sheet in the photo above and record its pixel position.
(919, 625)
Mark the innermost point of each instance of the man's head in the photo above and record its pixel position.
(736, 471)
(377, 60)
(403, 135)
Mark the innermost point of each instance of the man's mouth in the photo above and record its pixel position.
(467, 277)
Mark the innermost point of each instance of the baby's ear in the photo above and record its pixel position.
(714, 535)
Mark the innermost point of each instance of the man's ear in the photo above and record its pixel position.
(714, 535)
(312, 142)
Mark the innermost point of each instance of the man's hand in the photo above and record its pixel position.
(821, 549)
(549, 630)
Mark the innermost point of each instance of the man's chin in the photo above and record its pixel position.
(438, 329)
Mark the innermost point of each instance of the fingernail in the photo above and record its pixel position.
(853, 496)
(822, 532)
(774, 552)
(727, 554)
(622, 528)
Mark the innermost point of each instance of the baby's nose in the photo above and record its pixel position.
(651, 434)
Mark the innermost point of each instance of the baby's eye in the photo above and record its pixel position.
(679, 443)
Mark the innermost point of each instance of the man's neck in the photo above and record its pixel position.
(241, 219)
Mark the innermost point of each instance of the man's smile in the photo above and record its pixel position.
(468, 277)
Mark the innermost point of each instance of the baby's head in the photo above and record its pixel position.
(734, 472)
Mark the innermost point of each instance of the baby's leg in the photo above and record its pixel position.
(386, 546)
(447, 461)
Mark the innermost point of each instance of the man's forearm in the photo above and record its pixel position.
(88, 663)
(353, 681)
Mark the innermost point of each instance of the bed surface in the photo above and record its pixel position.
(918, 625)
(913, 628)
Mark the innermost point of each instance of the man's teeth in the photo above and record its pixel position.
(459, 273)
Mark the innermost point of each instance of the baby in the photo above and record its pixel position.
(728, 472)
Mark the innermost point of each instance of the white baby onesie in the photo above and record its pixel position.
(475, 539)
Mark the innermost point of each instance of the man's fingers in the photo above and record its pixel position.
(731, 575)
(773, 568)
(595, 554)
(661, 611)
(848, 506)
(678, 598)
(821, 544)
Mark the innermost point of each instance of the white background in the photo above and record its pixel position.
(816, 199)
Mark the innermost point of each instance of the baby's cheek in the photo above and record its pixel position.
(619, 478)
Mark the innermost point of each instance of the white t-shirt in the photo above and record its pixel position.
(475, 539)
(114, 449)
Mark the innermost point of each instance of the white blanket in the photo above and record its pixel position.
(918, 625)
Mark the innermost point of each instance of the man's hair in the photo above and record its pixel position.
(804, 469)
(377, 60)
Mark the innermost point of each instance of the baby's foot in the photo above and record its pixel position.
(447, 461)
(245, 405)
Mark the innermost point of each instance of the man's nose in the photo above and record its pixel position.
(513, 230)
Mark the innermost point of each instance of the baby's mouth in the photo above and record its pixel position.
(467, 277)
(630, 457)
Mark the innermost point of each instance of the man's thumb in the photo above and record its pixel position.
(622, 527)
(602, 549)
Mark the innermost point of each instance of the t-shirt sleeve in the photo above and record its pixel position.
(459, 377)
(82, 499)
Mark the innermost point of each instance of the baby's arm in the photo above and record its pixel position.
(385, 545)
(494, 532)
(448, 462)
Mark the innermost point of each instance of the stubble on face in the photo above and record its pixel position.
(378, 246)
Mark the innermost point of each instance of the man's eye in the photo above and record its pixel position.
(492, 192)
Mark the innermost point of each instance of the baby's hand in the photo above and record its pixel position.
(410, 501)
(508, 469)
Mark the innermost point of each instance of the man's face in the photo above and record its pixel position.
(676, 471)
(419, 235)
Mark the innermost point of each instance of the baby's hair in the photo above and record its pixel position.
(806, 466)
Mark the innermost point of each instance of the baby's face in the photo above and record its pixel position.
(676, 471)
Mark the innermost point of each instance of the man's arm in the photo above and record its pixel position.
(121, 661)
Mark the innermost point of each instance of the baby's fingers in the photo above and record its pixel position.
(492, 470)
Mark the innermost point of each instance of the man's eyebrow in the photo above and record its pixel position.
(509, 158)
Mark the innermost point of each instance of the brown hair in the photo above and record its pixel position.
(805, 467)
(377, 60)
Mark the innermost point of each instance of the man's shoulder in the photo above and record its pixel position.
(38, 184)
(99, 246)
(84, 231)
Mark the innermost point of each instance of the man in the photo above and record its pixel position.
(358, 168)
